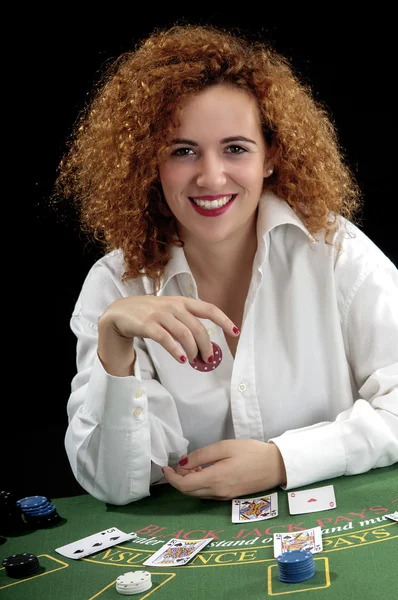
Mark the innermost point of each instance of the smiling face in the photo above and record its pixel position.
(213, 174)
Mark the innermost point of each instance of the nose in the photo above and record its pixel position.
(211, 175)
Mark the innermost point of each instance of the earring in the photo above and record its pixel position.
(270, 171)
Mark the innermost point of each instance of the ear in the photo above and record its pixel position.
(269, 161)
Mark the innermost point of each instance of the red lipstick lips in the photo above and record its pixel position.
(217, 197)
(214, 212)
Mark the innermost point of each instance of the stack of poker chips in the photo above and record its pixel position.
(11, 522)
(39, 511)
(133, 582)
(21, 565)
(296, 566)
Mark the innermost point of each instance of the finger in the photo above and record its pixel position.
(162, 336)
(175, 480)
(206, 310)
(192, 334)
(204, 493)
(184, 329)
(180, 327)
(201, 494)
(207, 455)
(187, 484)
(190, 487)
(184, 472)
(200, 336)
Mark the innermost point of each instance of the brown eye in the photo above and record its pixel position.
(182, 152)
(236, 149)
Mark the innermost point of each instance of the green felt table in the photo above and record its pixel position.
(359, 558)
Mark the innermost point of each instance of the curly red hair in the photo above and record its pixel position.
(110, 168)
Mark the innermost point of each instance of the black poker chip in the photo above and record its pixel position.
(6, 498)
(21, 565)
(11, 521)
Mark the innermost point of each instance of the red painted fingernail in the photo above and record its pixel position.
(183, 462)
(236, 330)
(200, 364)
(183, 359)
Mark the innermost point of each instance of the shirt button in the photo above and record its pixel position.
(211, 331)
(242, 387)
(138, 412)
(139, 394)
(191, 288)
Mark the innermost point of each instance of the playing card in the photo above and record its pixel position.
(94, 543)
(176, 553)
(315, 500)
(255, 509)
(309, 539)
(393, 516)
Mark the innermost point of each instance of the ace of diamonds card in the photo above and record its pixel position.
(314, 500)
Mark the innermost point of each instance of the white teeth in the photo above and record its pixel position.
(211, 204)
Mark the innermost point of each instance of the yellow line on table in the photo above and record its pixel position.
(64, 565)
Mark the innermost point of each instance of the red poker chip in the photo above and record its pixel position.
(199, 365)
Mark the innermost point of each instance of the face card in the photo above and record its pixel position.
(255, 509)
(315, 500)
(393, 516)
(309, 539)
(176, 553)
(94, 543)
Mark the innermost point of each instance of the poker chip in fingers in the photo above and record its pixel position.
(200, 365)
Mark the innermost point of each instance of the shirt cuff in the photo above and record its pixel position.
(312, 454)
(115, 402)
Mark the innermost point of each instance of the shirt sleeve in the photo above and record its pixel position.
(121, 430)
(365, 436)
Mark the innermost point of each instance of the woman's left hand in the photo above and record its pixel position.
(237, 468)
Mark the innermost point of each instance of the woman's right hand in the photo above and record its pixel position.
(172, 321)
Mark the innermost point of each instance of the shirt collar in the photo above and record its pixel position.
(272, 212)
(177, 264)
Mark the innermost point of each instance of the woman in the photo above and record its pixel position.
(216, 184)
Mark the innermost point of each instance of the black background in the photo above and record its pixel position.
(55, 59)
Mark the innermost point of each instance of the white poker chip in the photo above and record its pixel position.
(133, 582)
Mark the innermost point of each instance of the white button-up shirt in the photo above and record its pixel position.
(315, 371)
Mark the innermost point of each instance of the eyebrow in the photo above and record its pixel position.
(227, 140)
